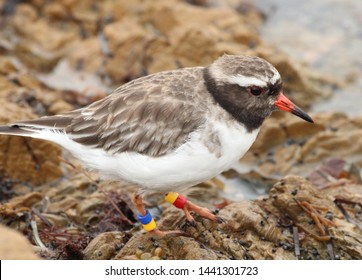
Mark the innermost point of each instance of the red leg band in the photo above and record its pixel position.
(180, 201)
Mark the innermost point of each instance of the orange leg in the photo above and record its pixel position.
(181, 202)
(151, 226)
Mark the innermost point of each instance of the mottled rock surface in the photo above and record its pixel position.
(261, 229)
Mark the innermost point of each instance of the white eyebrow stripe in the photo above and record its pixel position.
(276, 76)
(246, 81)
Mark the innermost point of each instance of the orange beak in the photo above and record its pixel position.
(285, 104)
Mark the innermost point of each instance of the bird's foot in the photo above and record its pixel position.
(179, 201)
(201, 211)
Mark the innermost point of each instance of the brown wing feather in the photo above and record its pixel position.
(149, 115)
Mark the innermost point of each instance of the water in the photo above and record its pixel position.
(327, 36)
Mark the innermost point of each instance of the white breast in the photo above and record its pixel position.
(189, 165)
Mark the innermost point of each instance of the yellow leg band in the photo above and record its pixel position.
(171, 197)
(150, 226)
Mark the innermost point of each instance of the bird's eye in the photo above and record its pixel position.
(254, 90)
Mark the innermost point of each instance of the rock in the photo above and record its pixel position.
(323, 144)
(297, 128)
(55, 220)
(270, 136)
(40, 45)
(27, 160)
(288, 145)
(299, 189)
(24, 201)
(126, 42)
(300, 83)
(6, 67)
(261, 229)
(104, 246)
(172, 248)
(55, 10)
(14, 246)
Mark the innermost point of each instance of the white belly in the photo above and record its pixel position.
(189, 165)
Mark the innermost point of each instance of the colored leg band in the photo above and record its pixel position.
(178, 200)
(147, 221)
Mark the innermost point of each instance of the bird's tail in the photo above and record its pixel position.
(15, 130)
(33, 128)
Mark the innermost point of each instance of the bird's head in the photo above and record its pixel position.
(249, 88)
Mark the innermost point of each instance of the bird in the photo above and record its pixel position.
(169, 131)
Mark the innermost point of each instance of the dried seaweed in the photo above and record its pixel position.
(63, 244)
(321, 222)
